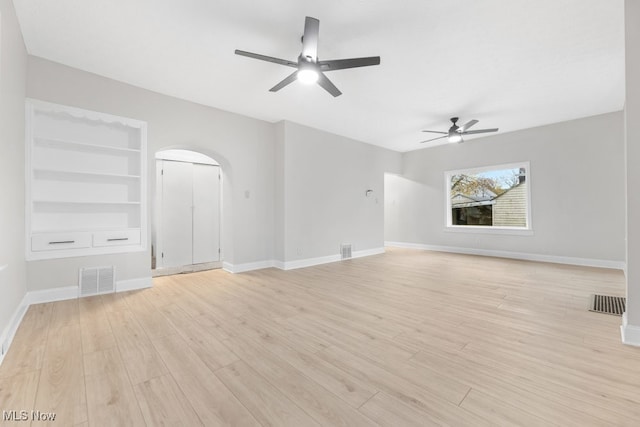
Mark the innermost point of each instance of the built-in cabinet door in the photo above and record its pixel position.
(206, 213)
(177, 217)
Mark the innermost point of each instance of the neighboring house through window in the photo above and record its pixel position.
(490, 197)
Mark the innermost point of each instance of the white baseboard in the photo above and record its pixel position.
(52, 295)
(367, 252)
(630, 334)
(586, 262)
(278, 264)
(133, 284)
(249, 266)
(300, 263)
(10, 330)
(310, 262)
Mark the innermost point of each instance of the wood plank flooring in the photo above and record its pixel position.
(399, 339)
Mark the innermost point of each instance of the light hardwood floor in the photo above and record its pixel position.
(405, 338)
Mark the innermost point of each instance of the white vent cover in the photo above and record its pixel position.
(345, 251)
(97, 280)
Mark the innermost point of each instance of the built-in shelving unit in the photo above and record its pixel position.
(86, 182)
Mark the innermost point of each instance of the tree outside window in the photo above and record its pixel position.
(495, 196)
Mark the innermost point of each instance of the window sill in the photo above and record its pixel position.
(489, 230)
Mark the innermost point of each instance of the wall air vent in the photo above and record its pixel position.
(97, 280)
(345, 251)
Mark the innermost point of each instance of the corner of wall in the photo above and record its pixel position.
(13, 63)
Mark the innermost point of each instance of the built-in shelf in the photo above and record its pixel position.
(86, 182)
(57, 173)
(76, 202)
(74, 145)
(82, 230)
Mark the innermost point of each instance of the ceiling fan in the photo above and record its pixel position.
(455, 132)
(309, 69)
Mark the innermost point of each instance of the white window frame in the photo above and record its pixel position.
(449, 227)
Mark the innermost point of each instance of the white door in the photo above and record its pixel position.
(177, 214)
(206, 213)
(190, 214)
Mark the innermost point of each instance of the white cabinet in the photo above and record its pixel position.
(60, 241)
(116, 238)
(86, 182)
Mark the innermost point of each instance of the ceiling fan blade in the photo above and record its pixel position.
(289, 79)
(267, 58)
(467, 125)
(436, 131)
(471, 132)
(434, 139)
(326, 84)
(310, 38)
(341, 64)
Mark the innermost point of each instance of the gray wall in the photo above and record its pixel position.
(632, 145)
(323, 179)
(243, 146)
(279, 213)
(13, 65)
(577, 192)
(290, 192)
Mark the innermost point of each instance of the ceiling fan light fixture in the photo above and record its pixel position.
(308, 76)
(455, 138)
(308, 69)
(454, 135)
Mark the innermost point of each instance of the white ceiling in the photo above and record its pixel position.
(512, 64)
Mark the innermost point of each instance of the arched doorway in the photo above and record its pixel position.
(186, 225)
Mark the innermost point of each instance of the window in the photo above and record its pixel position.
(489, 198)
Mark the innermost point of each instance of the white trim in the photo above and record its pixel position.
(587, 262)
(278, 264)
(10, 331)
(300, 263)
(367, 252)
(84, 113)
(630, 333)
(249, 266)
(54, 294)
(133, 284)
(188, 156)
(102, 250)
(310, 262)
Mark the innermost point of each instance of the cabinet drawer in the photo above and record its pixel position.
(116, 238)
(57, 241)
